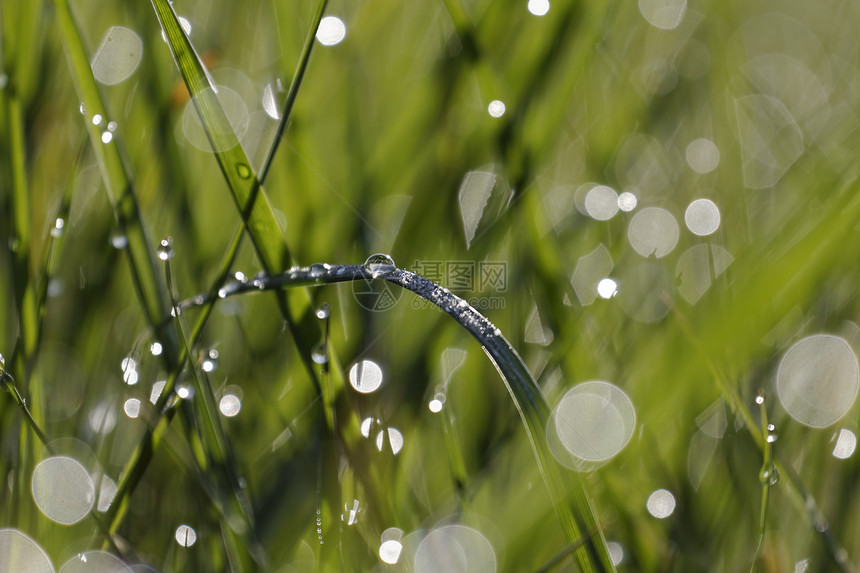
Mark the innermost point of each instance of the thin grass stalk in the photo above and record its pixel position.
(119, 187)
(139, 460)
(246, 189)
(210, 441)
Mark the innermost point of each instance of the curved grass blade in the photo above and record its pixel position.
(575, 519)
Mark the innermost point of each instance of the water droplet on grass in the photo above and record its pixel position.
(772, 433)
(57, 229)
(323, 311)
(319, 354)
(165, 248)
(243, 170)
(210, 361)
(62, 489)
(379, 265)
(132, 407)
(769, 475)
(118, 240)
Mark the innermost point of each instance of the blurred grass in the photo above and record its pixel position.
(399, 109)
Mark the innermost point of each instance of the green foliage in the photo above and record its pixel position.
(364, 147)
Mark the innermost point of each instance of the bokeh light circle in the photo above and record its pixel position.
(331, 31)
(62, 489)
(818, 380)
(702, 217)
(594, 421)
(653, 231)
(455, 549)
(365, 376)
(661, 503)
(601, 202)
(20, 553)
(702, 155)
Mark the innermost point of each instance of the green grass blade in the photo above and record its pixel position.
(577, 520)
(119, 186)
(248, 194)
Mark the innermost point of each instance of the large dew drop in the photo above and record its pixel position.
(63, 489)
(818, 380)
(379, 265)
(117, 56)
(20, 553)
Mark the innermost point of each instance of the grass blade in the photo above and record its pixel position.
(577, 520)
(119, 187)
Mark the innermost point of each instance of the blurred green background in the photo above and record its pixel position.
(393, 147)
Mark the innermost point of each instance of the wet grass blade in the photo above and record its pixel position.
(570, 500)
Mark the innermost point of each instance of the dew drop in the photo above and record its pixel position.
(316, 270)
(165, 249)
(118, 240)
(323, 311)
(319, 354)
(769, 475)
(57, 229)
(210, 361)
(772, 433)
(379, 264)
(243, 170)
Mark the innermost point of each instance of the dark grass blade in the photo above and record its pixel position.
(572, 505)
